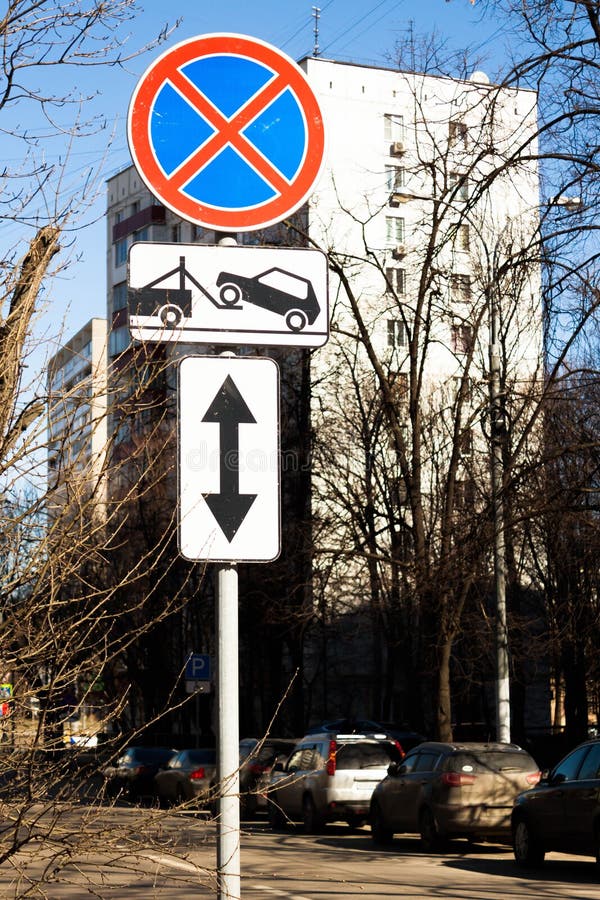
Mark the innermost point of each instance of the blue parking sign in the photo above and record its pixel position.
(197, 667)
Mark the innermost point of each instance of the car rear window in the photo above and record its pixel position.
(148, 754)
(202, 757)
(366, 756)
(490, 761)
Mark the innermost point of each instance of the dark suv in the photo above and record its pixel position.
(563, 812)
(444, 790)
(329, 778)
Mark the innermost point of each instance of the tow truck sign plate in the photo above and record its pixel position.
(228, 295)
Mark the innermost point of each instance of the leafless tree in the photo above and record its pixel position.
(406, 504)
(79, 607)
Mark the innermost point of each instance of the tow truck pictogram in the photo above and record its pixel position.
(275, 290)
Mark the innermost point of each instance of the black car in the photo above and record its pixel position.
(276, 290)
(562, 812)
(133, 773)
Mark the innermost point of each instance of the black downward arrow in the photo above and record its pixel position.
(229, 409)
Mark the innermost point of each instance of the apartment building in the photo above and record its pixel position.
(426, 198)
(77, 421)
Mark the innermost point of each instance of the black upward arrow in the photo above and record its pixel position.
(229, 409)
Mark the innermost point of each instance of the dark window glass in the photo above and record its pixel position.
(591, 764)
(426, 762)
(365, 756)
(409, 763)
(569, 766)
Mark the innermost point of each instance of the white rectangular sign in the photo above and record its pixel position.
(228, 295)
(229, 496)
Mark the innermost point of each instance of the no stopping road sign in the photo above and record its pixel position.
(226, 131)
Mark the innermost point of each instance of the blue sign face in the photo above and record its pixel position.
(233, 178)
(197, 667)
(226, 131)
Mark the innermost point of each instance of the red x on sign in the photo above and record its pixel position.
(226, 131)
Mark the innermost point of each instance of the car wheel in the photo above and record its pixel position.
(528, 851)
(275, 814)
(313, 821)
(296, 320)
(380, 833)
(170, 315)
(430, 838)
(230, 294)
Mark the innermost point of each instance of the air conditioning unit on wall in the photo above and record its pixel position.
(397, 148)
(399, 251)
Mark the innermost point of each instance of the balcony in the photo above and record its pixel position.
(150, 215)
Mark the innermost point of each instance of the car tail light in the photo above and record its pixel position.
(400, 748)
(533, 777)
(330, 768)
(197, 774)
(257, 768)
(457, 779)
(142, 770)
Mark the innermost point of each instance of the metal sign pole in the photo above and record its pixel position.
(158, 118)
(228, 741)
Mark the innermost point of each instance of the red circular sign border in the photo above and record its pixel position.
(138, 129)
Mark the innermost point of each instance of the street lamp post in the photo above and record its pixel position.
(497, 427)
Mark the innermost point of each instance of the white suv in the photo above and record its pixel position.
(329, 778)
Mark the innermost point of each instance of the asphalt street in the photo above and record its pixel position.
(131, 853)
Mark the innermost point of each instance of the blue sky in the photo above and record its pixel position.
(363, 31)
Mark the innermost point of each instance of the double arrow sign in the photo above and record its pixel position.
(229, 459)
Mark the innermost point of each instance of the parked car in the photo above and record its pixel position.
(329, 778)
(133, 772)
(563, 811)
(442, 790)
(188, 776)
(256, 761)
(406, 737)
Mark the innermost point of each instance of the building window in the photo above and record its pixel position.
(394, 230)
(460, 288)
(395, 281)
(465, 442)
(462, 338)
(398, 493)
(118, 341)
(119, 296)
(457, 133)
(398, 382)
(397, 333)
(465, 494)
(175, 234)
(456, 383)
(463, 237)
(142, 235)
(459, 184)
(393, 127)
(121, 252)
(394, 178)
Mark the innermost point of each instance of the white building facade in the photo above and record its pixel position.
(428, 206)
(77, 418)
